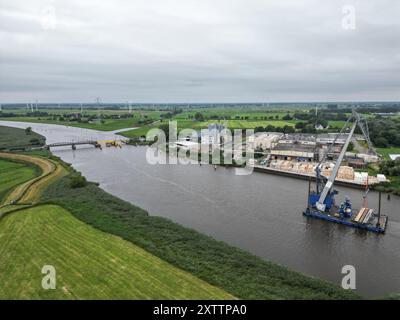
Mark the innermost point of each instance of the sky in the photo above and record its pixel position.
(165, 51)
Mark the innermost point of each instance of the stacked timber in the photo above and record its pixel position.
(326, 171)
(359, 214)
(368, 216)
(346, 173)
(364, 215)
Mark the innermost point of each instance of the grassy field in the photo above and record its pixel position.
(135, 120)
(30, 191)
(238, 272)
(12, 174)
(13, 137)
(386, 151)
(197, 125)
(90, 264)
(108, 125)
(234, 113)
(233, 118)
(234, 124)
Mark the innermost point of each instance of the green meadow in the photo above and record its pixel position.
(89, 264)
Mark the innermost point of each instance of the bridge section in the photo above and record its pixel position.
(73, 144)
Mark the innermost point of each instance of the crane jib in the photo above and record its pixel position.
(328, 186)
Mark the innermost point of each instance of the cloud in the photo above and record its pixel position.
(198, 50)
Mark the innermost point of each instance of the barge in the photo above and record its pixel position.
(321, 202)
(375, 222)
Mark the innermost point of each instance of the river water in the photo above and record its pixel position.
(260, 213)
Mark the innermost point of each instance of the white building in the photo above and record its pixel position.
(394, 156)
(328, 138)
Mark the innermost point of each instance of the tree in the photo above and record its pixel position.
(287, 117)
(77, 181)
(199, 117)
(28, 130)
(35, 141)
(381, 142)
(270, 128)
(165, 128)
(323, 122)
(288, 129)
(300, 125)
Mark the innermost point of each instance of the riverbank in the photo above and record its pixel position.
(238, 272)
(75, 249)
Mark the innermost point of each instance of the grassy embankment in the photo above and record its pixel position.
(238, 272)
(12, 137)
(13, 174)
(30, 191)
(98, 124)
(90, 264)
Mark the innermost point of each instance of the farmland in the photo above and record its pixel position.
(30, 190)
(11, 137)
(125, 271)
(386, 151)
(102, 125)
(187, 117)
(13, 174)
(90, 264)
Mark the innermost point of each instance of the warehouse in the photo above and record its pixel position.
(295, 147)
(299, 152)
(265, 140)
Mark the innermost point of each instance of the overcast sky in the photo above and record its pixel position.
(199, 50)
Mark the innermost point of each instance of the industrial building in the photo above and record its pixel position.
(327, 139)
(266, 140)
(295, 147)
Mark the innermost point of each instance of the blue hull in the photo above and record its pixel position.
(323, 216)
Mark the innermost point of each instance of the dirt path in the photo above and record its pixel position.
(29, 192)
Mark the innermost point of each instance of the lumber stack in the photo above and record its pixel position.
(346, 173)
(364, 215)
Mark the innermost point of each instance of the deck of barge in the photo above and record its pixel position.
(370, 226)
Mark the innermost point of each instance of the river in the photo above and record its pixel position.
(260, 213)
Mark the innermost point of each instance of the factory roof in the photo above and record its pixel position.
(294, 147)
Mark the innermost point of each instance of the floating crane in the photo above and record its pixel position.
(321, 204)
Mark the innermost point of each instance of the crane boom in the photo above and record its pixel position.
(328, 186)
